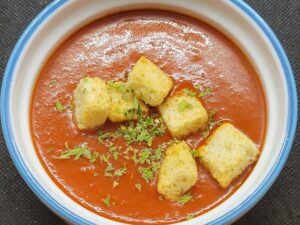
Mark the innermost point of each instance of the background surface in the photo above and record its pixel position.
(281, 205)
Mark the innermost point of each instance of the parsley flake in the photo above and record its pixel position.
(206, 92)
(106, 200)
(77, 152)
(135, 111)
(185, 199)
(145, 130)
(120, 172)
(118, 86)
(94, 156)
(59, 106)
(104, 158)
(195, 153)
(146, 173)
(96, 174)
(106, 136)
(144, 155)
(189, 217)
(184, 105)
(52, 83)
(189, 92)
(108, 170)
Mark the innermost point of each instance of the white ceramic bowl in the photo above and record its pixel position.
(234, 18)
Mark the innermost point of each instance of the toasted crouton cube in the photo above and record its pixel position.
(178, 172)
(125, 105)
(91, 103)
(183, 114)
(148, 82)
(227, 152)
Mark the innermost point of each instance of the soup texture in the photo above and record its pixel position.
(196, 56)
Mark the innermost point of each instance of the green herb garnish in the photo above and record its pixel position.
(195, 153)
(146, 173)
(106, 200)
(77, 152)
(108, 170)
(206, 92)
(120, 172)
(118, 86)
(189, 217)
(145, 130)
(144, 155)
(114, 151)
(185, 199)
(94, 156)
(189, 92)
(52, 83)
(104, 158)
(135, 110)
(59, 106)
(184, 105)
(96, 174)
(106, 136)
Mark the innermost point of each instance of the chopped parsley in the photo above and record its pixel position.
(96, 174)
(184, 105)
(135, 110)
(94, 156)
(106, 136)
(211, 115)
(115, 184)
(52, 83)
(210, 123)
(189, 92)
(120, 172)
(158, 154)
(145, 130)
(114, 151)
(144, 155)
(106, 200)
(147, 173)
(59, 106)
(77, 152)
(108, 170)
(195, 153)
(206, 92)
(138, 186)
(104, 158)
(189, 217)
(185, 199)
(118, 86)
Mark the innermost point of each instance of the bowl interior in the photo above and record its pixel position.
(58, 24)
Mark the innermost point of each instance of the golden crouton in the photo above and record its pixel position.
(227, 152)
(91, 103)
(183, 114)
(148, 82)
(178, 172)
(125, 106)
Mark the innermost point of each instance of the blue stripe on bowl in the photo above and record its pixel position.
(73, 218)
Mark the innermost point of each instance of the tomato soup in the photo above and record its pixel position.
(195, 55)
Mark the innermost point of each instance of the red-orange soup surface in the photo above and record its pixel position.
(192, 53)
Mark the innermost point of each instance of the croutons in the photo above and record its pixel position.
(227, 152)
(183, 114)
(125, 105)
(91, 103)
(178, 172)
(148, 82)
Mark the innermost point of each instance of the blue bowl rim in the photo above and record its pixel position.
(59, 209)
